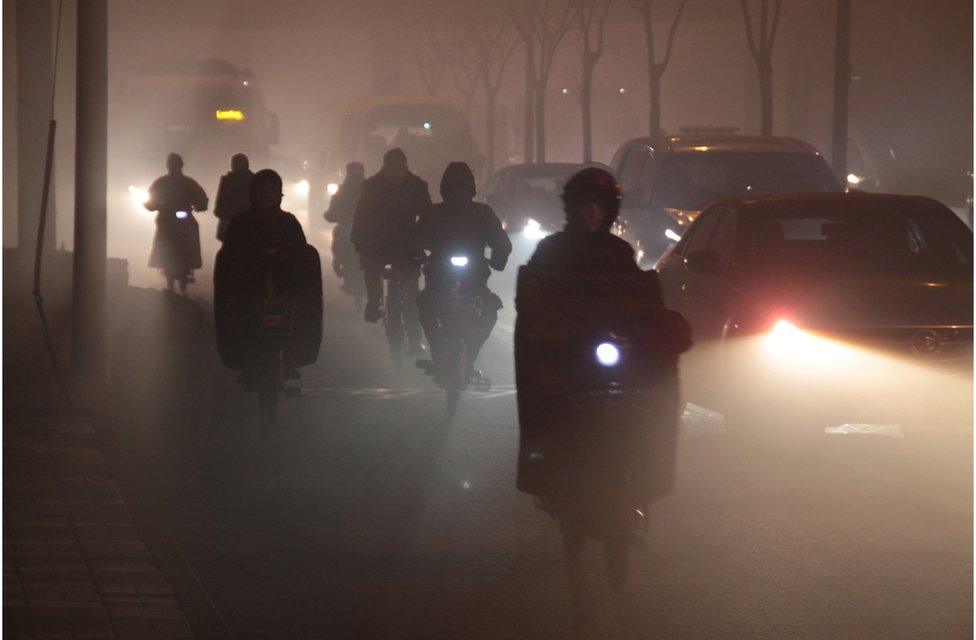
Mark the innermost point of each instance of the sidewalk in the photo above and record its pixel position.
(84, 553)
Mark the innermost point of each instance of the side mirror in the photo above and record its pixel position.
(274, 127)
(704, 263)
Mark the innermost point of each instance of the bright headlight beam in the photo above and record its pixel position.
(533, 230)
(854, 179)
(300, 188)
(332, 188)
(671, 235)
(607, 354)
(459, 261)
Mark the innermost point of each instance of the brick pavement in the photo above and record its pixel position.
(84, 554)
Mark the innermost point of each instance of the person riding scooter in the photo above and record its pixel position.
(176, 245)
(596, 357)
(460, 230)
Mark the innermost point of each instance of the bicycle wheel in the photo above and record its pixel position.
(455, 377)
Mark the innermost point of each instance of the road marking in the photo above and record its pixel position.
(848, 428)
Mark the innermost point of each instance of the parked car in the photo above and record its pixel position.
(813, 304)
(666, 184)
(526, 197)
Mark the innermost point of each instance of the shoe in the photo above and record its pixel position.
(373, 312)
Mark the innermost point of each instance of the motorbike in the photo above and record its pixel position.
(458, 308)
(275, 325)
(599, 402)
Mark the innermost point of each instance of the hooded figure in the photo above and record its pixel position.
(176, 245)
(458, 226)
(232, 193)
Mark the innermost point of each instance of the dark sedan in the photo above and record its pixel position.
(526, 197)
(844, 303)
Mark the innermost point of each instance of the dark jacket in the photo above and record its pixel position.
(385, 217)
(580, 251)
(176, 192)
(176, 244)
(232, 198)
(448, 232)
(255, 230)
(343, 205)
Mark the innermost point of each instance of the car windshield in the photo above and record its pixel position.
(913, 241)
(692, 180)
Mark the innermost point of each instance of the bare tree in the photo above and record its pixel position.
(465, 71)
(655, 69)
(542, 25)
(762, 53)
(591, 20)
(492, 44)
(429, 47)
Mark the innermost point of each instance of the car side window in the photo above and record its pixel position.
(699, 234)
(645, 182)
(631, 168)
(723, 236)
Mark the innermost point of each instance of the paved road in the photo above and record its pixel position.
(364, 515)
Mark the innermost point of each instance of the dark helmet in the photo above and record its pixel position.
(264, 175)
(596, 185)
(355, 167)
(395, 156)
(458, 177)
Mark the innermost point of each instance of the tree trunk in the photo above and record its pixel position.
(766, 99)
(654, 95)
(491, 96)
(586, 106)
(529, 131)
(540, 123)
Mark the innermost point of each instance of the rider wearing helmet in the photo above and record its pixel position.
(460, 227)
(591, 199)
(264, 224)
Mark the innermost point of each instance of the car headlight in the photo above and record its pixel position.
(138, 195)
(671, 235)
(459, 261)
(300, 188)
(533, 230)
(332, 188)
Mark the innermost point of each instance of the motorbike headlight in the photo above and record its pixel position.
(533, 230)
(332, 188)
(459, 261)
(671, 235)
(182, 215)
(607, 354)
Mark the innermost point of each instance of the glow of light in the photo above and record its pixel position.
(332, 188)
(247, 83)
(671, 235)
(138, 195)
(565, 91)
(701, 148)
(459, 261)
(182, 215)
(229, 114)
(640, 255)
(607, 354)
(427, 126)
(623, 90)
(533, 230)
(300, 188)
(853, 178)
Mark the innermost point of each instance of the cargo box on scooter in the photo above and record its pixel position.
(267, 302)
(573, 409)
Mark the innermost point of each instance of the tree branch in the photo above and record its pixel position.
(749, 37)
(772, 34)
(671, 33)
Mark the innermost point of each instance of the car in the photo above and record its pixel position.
(666, 183)
(812, 303)
(526, 197)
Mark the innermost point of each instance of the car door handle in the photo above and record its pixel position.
(688, 289)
